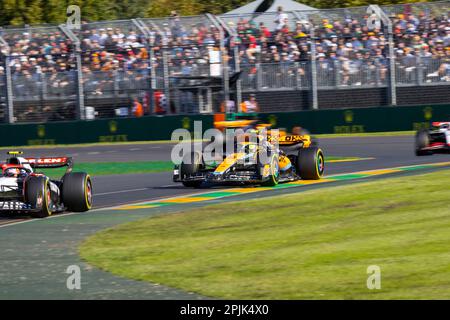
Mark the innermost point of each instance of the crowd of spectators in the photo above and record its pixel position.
(274, 52)
(349, 50)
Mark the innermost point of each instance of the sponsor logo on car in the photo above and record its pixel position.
(14, 205)
(47, 160)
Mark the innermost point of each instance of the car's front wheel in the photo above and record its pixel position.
(191, 165)
(274, 174)
(422, 141)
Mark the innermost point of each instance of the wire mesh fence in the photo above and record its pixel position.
(182, 64)
(41, 64)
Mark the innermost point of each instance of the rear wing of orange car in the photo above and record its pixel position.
(287, 140)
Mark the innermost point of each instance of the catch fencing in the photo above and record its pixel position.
(315, 59)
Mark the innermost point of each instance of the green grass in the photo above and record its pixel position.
(108, 168)
(311, 245)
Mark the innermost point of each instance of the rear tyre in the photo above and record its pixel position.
(76, 191)
(422, 141)
(310, 163)
(191, 165)
(38, 195)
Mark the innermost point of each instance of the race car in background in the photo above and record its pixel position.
(295, 158)
(24, 190)
(433, 140)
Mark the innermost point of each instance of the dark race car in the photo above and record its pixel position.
(24, 190)
(433, 140)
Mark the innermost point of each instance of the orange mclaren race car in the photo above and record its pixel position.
(279, 158)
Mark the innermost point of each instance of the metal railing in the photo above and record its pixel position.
(182, 64)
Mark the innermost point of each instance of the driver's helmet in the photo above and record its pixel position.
(15, 172)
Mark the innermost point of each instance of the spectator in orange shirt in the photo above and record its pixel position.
(138, 110)
(250, 106)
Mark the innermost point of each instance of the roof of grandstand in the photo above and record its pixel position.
(288, 5)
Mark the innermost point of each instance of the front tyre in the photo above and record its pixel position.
(422, 141)
(274, 175)
(310, 163)
(38, 195)
(76, 191)
(191, 165)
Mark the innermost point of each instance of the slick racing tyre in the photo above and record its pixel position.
(38, 195)
(422, 141)
(76, 191)
(310, 163)
(192, 163)
(274, 174)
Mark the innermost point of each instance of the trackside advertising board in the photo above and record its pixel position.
(106, 130)
(352, 120)
(360, 120)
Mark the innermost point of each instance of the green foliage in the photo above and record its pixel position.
(20, 12)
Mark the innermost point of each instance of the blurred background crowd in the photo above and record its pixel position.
(117, 57)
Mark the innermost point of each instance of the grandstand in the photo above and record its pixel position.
(371, 56)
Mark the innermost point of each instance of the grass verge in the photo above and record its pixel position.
(312, 245)
(109, 168)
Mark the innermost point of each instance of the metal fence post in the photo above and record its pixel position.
(237, 65)
(8, 82)
(392, 79)
(419, 70)
(9, 91)
(148, 46)
(224, 59)
(81, 112)
(337, 73)
(258, 76)
(314, 84)
(298, 84)
(314, 99)
(166, 75)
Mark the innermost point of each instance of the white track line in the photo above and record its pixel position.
(15, 223)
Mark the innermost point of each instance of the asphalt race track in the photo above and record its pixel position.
(121, 189)
(40, 250)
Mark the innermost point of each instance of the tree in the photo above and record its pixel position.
(21, 12)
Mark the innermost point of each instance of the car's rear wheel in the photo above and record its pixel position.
(310, 163)
(191, 165)
(422, 141)
(38, 195)
(76, 191)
